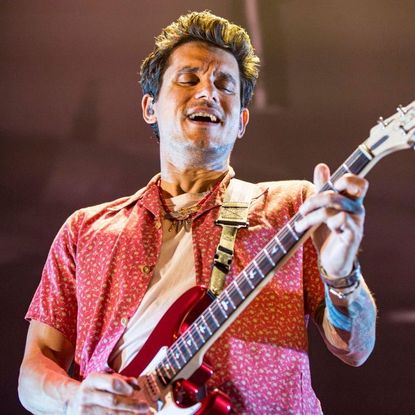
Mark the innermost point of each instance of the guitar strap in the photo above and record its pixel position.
(233, 215)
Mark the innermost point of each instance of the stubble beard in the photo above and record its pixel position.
(198, 154)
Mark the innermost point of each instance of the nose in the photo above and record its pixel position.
(207, 90)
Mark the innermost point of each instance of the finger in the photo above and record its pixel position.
(353, 186)
(321, 175)
(342, 224)
(100, 410)
(109, 382)
(331, 200)
(314, 218)
(97, 401)
(112, 401)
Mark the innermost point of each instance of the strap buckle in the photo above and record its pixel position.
(223, 259)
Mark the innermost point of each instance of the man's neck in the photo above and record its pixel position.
(191, 180)
(190, 169)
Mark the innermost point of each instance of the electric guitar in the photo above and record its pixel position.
(170, 366)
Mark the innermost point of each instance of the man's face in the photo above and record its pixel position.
(199, 99)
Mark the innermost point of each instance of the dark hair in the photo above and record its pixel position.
(204, 27)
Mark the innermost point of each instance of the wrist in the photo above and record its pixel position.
(342, 287)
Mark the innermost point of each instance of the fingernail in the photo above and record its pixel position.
(123, 387)
(142, 407)
(118, 385)
(133, 381)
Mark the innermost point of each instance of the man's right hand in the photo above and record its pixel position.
(46, 388)
(102, 393)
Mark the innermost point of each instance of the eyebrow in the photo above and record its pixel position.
(227, 77)
(188, 69)
(194, 69)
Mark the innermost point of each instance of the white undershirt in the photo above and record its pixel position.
(173, 275)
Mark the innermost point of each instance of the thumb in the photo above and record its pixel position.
(321, 175)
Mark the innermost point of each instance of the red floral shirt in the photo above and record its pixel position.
(101, 263)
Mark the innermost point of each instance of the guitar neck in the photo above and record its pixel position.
(390, 135)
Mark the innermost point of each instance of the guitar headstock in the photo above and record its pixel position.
(394, 133)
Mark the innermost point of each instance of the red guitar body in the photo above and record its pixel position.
(174, 322)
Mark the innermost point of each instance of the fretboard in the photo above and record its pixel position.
(246, 285)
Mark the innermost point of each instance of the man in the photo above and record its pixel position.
(114, 269)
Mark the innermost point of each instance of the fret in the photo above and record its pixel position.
(166, 365)
(206, 325)
(198, 332)
(292, 231)
(160, 376)
(361, 158)
(192, 339)
(346, 167)
(224, 304)
(177, 353)
(286, 238)
(179, 366)
(280, 244)
(258, 267)
(213, 316)
(354, 164)
(269, 257)
(329, 185)
(239, 291)
(230, 299)
(183, 340)
(298, 216)
(357, 161)
(275, 246)
(222, 311)
(252, 272)
(248, 280)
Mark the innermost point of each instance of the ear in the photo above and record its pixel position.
(243, 121)
(147, 105)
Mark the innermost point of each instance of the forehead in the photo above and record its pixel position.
(202, 57)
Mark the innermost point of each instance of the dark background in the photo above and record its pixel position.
(72, 135)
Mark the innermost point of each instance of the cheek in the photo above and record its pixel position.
(235, 117)
(165, 111)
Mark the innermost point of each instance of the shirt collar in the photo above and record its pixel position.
(138, 195)
(150, 199)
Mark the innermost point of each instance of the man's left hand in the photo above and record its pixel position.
(338, 218)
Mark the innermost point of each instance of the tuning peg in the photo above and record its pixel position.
(382, 122)
(402, 110)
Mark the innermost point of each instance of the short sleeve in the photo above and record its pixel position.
(54, 302)
(313, 286)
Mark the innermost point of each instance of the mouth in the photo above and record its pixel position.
(204, 117)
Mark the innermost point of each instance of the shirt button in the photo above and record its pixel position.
(124, 321)
(146, 269)
(157, 224)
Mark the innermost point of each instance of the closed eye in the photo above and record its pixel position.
(187, 79)
(225, 85)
